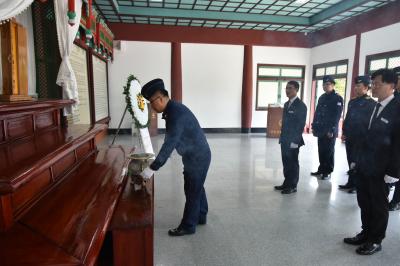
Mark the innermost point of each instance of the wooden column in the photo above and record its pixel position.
(247, 89)
(355, 65)
(176, 72)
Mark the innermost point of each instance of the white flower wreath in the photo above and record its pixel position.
(136, 103)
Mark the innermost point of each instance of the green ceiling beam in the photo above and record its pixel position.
(335, 10)
(212, 15)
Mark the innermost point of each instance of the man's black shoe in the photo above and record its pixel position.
(317, 173)
(394, 206)
(179, 231)
(281, 187)
(359, 239)
(352, 190)
(347, 186)
(325, 176)
(369, 248)
(289, 190)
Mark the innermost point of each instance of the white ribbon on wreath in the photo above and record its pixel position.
(138, 103)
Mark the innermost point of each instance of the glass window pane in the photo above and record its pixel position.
(342, 69)
(292, 72)
(377, 64)
(340, 87)
(394, 62)
(269, 71)
(282, 99)
(320, 72)
(267, 93)
(331, 70)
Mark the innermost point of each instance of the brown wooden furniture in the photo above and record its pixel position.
(58, 189)
(132, 227)
(274, 121)
(14, 60)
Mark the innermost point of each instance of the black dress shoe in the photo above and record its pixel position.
(289, 190)
(325, 176)
(369, 248)
(394, 206)
(347, 186)
(359, 239)
(352, 190)
(317, 173)
(281, 187)
(179, 231)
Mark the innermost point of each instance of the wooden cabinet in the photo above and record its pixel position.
(274, 121)
(14, 59)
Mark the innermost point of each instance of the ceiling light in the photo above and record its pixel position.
(301, 1)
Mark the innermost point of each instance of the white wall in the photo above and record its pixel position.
(25, 19)
(146, 61)
(335, 51)
(381, 40)
(284, 56)
(212, 83)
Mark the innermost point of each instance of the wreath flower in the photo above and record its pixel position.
(136, 103)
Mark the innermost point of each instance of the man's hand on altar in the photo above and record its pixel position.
(147, 173)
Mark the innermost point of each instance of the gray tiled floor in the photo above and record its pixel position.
(251, 224)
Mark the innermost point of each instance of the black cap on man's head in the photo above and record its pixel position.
(151, 87)
(328, 79)
(363, 79)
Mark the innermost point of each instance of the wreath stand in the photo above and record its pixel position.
(119, 126)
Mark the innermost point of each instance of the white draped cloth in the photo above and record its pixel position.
(66, 36)
(12, 8)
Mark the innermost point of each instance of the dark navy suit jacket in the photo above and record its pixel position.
(293, 121)
(183, 133)
(380, 153)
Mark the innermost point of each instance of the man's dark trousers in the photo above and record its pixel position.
(372, 198)
(350, 151)
(196, 206)
(290, 160)
(326, 153)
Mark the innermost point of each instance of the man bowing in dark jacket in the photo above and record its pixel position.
(184, 134)
(293, 121)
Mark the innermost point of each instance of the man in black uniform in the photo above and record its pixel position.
(184, 134)
(293, 121)
(325, 126)
(377, 163)
(357, 118)
(394, 204)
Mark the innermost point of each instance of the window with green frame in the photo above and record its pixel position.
(338, 70)
(382, 60)
(271, 83)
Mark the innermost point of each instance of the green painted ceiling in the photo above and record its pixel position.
(276, 15)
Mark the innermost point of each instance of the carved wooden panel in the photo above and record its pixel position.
(30, 189)
(44, 120)
(63, 164)
(19, 127)
(83, 150)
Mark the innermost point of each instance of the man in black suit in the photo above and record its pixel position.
(378, 163)
(325, 127)
(394, 204)
(357, 117)
(293, 121)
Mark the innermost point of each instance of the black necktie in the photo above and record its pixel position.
(378, 105)
(375, 115)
